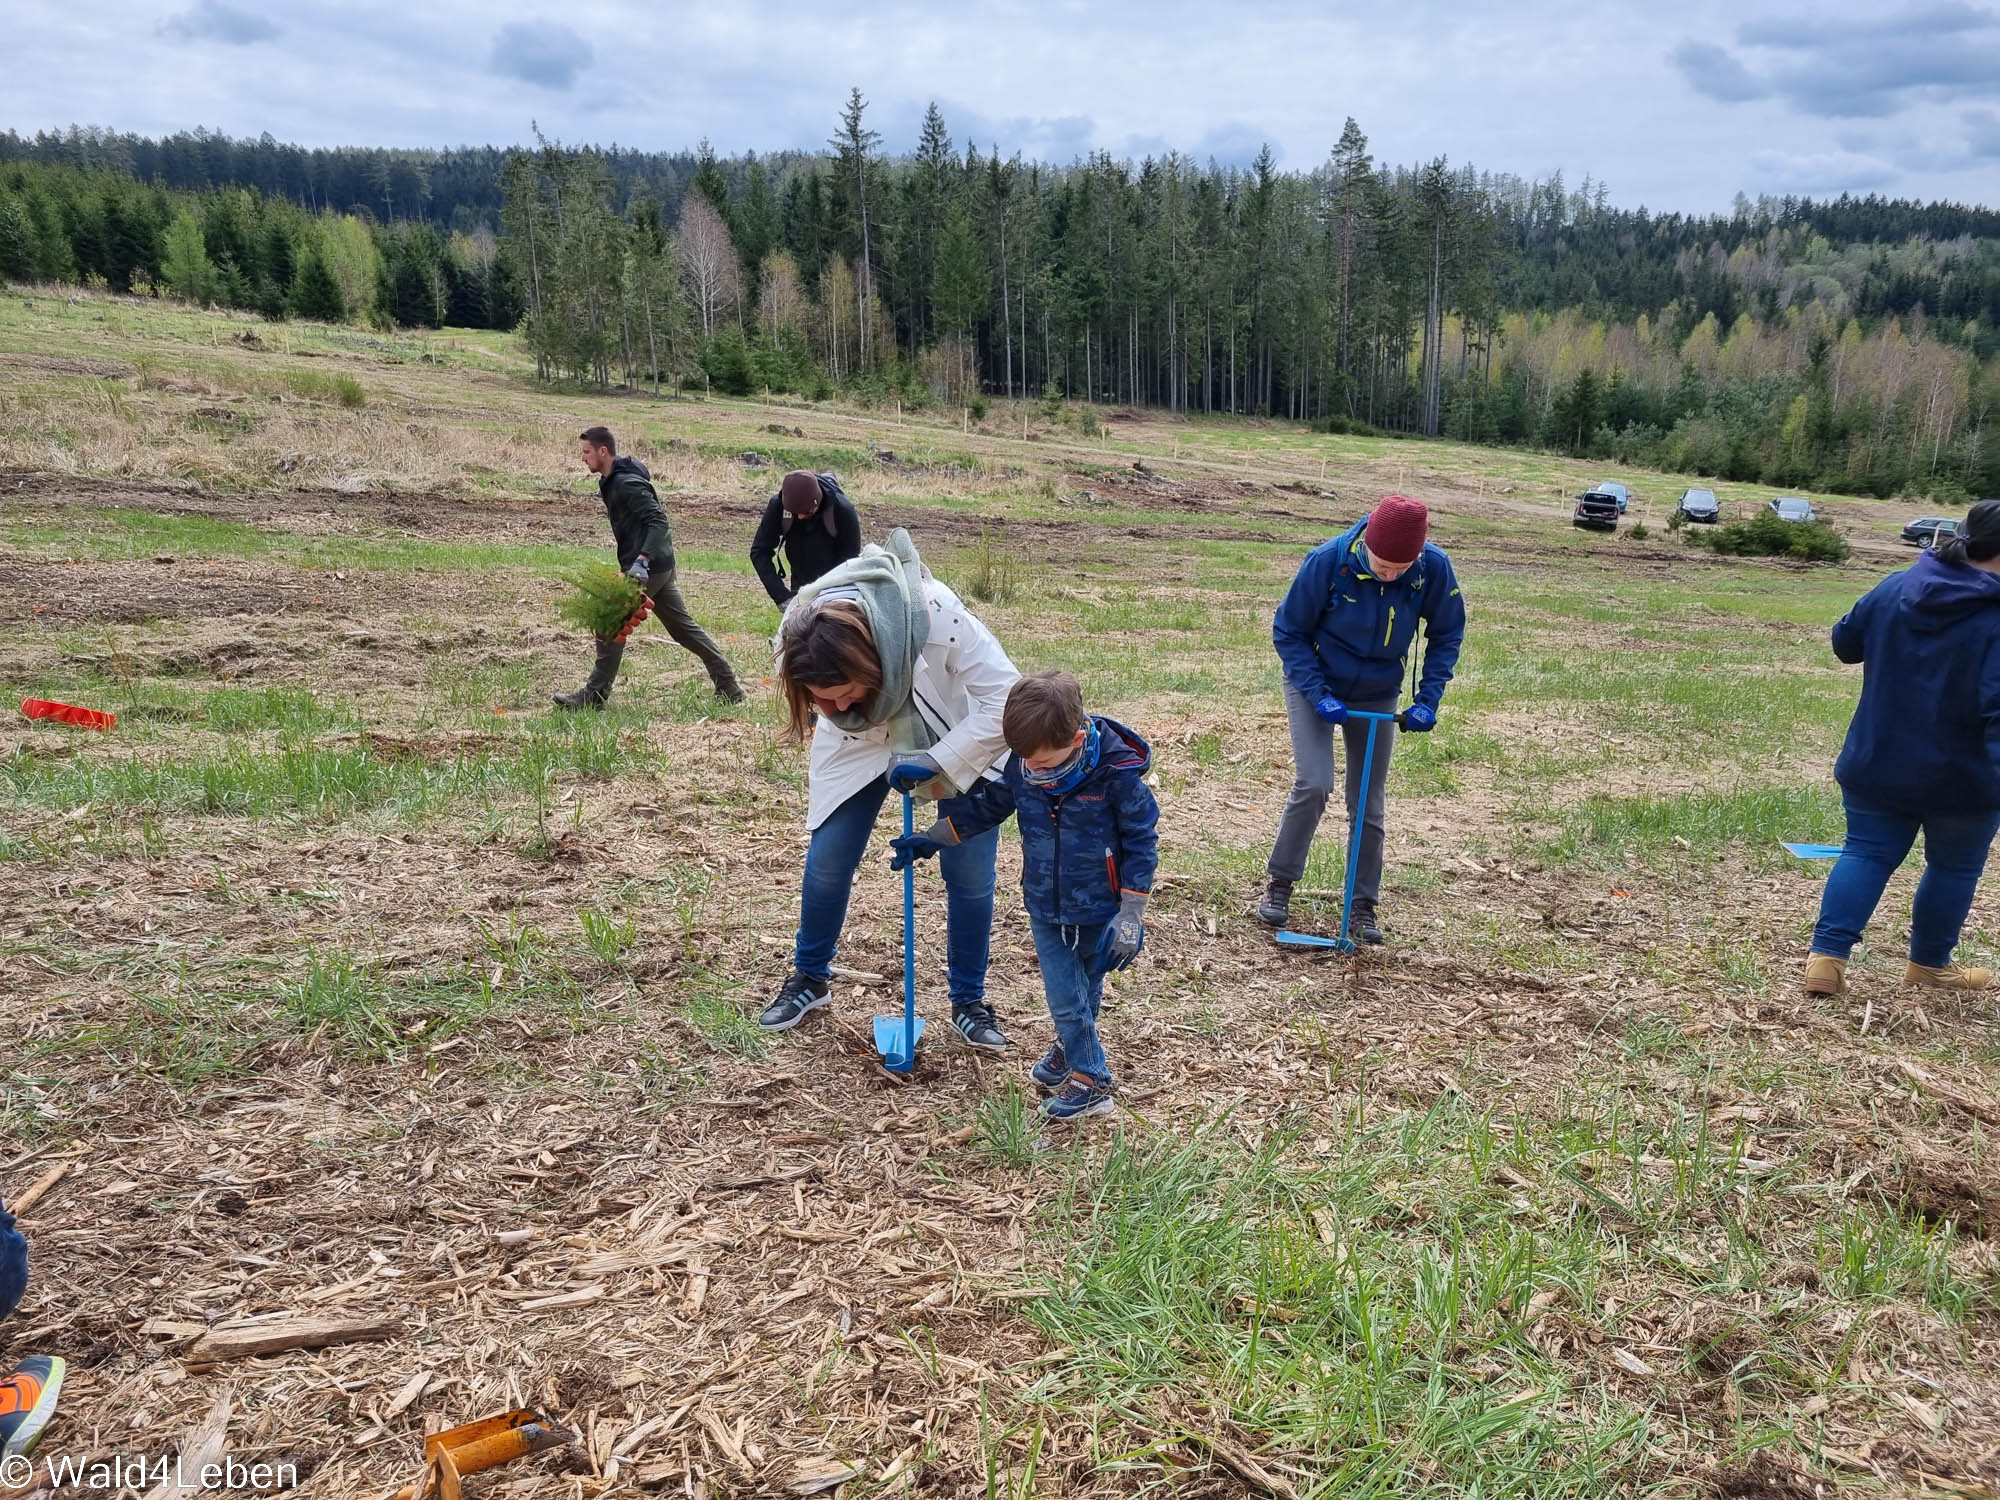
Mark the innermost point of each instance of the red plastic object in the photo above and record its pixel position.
(66, 713)
(637, 619)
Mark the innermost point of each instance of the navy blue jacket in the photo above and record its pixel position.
(1342, 632)
(13, 1264)
(1082, 851)
(1926, 734)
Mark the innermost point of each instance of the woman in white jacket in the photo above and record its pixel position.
(897, 686)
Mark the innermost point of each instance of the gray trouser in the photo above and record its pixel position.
(1312, 755)
(680, 622)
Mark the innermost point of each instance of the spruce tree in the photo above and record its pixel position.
(316, 292)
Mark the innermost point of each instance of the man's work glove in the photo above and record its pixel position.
(1418, 718)
(641, 571)
(1331, 709)
(911, 847)
(909, 771)
(1128, 929)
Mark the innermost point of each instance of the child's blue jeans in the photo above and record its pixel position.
(13, 1264)
(1074, 962)
(1878, 841)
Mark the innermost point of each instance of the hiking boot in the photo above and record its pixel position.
(603, 675)
(1950, 977)
(732, 694)
(1081, 1098)
(1363, 925)
(1050, 1069)
(977, 1027)
(1825, 975)
(796, 996)
(1275, 910)
(27, 1401)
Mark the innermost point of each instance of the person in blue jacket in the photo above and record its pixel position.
(1922, 755)
(1076, 784)
(1343, 635)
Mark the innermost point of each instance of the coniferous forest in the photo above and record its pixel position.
(1848, 345)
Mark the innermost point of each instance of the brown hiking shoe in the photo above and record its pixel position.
(1825, 975)
(1950, 977)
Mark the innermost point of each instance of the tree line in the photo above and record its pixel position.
(1359, 295)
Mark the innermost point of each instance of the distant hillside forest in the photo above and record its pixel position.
(1850, 345)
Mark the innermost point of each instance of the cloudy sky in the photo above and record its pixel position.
(1675, 106)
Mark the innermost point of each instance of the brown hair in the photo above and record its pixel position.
(1043, 712)
(599, 437)
(823, 646)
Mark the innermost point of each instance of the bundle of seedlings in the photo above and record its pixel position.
(603, 601)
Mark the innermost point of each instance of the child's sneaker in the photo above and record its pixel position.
(1051, 1069)
(1080, 1099)
(27, 1401)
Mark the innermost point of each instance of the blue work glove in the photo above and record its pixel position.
(1418, 718)
(1331, 709)
(1128, 929)
(911, 847)
(910, 771)
(641, 571)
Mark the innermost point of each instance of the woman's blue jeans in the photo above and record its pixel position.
(1878, 841)
(834, 856)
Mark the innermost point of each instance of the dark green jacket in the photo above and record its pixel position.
(638, 523)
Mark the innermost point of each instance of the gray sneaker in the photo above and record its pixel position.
(797, 997)
(977, 1027)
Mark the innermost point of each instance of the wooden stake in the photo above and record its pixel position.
(41, 1186)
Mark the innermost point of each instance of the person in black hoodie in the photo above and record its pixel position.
(646, 553)
(815, 523)
(1922, 753)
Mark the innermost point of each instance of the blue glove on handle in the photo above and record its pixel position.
(908, 772)
(1128, 929)
(1418, 718)
(641, 571)
(911, 847)
(1331, 709)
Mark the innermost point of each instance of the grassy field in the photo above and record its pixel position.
(345, 980)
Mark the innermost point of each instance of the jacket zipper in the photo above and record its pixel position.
(1055, 822)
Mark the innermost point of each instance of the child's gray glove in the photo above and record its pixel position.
(1128, 929)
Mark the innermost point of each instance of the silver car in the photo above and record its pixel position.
(1793, 508)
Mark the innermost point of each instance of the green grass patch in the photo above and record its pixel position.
(1657, 826)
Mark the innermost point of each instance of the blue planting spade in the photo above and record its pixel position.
(896, 1036)
(1344, 943)
(1812, 851)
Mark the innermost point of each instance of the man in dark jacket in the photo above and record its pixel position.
(646, 553)
(1343, 634)
(815, 523)
(1922, 755)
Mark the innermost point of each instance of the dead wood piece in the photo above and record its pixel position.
(1964, 1099)
(201, 1447)
(228, 1342)
(40, 1187)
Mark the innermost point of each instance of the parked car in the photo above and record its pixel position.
(1793, 508)
(1928, 531)
(1596, 511)
(1614, 489)
(1699, 505)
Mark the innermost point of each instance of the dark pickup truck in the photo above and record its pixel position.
(1596, 511)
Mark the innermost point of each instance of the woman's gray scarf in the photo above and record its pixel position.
(887, 583)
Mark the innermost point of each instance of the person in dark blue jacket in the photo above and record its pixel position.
(1076, 784)
(1343, 635)
(1922, 754)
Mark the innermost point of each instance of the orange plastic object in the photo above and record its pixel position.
(66, 713)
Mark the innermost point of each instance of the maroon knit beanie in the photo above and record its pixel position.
(1397, 529)
(800, 492)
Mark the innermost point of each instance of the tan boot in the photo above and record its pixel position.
(1825, 975)
(1950, 977)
